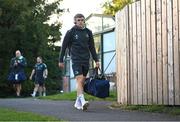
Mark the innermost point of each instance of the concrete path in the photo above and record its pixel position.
(98, 111)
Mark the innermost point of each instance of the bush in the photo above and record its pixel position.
(6, 90)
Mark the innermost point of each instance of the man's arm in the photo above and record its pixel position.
(32, 73)
(64, 46)
(45, 73)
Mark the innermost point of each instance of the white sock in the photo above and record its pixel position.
(81, 98)
(77, 102)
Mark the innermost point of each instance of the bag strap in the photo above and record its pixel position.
(96, 75)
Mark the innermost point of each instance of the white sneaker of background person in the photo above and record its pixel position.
(78, 104)
(44, 94)
(84, 103)
(33, 94)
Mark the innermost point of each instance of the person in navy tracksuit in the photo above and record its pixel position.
(80, 42)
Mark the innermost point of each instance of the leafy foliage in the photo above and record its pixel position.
(111, 7)
(23, 26)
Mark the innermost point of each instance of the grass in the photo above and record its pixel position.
(13, 115)
(173, 110)
(72, 96)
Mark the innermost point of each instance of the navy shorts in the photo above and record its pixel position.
(80, 68)
(40, 81)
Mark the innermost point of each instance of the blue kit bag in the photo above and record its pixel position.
(97, 85)
(16, 76)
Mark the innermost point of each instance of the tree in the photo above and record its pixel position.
(111, 7)
(23, 26)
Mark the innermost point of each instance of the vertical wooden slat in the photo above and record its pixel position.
(170, 53)
(164, 53)
(120, 74)
(148, 32)
(127, 55)
(139, 53)
(134, 54)
(154, 50)
(118, 56)
(159, 51)
(176, 51)
(143, 28)
(179, 38)
(131, 53)
(124, 57)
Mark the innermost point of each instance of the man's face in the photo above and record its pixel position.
(18, 53)
(39, 60)
(80, 22)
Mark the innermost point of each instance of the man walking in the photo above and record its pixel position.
(39, 73)
(80, 42)
(17, 74)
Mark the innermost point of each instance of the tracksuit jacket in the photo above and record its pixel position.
(81, 44)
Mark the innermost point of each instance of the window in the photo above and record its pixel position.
(107, 58)
(109, 52)
(109, 42)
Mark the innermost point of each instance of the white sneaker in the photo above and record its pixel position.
(33, 95)
(44, 94)
(85, 106)
(84, 103)
(78, 107)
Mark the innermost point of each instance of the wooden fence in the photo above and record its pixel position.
(148, 53)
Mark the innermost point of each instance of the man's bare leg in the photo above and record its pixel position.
(80, 92)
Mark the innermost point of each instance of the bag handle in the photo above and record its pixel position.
(96, 75)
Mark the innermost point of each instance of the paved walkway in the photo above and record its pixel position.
(98, 111)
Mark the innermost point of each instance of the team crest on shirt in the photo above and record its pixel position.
(76, 36)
